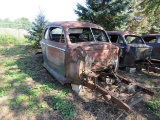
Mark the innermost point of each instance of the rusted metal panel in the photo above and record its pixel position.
(68, 24)
(85, 59)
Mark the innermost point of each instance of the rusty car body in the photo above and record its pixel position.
(154, 41)
(71, 49)
(81, 53)
(134, 49)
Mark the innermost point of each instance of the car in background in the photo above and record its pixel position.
(73, 49)
(133, 48)
(154, 41)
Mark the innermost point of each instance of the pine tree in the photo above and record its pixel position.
(146, 16)
(151, 11)
(35, 33)
(111, 14)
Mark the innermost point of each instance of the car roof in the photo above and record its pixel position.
(121, 32)
(70, 24)
(147, 35)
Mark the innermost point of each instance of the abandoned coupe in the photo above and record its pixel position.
(72, 49)
(134, 50)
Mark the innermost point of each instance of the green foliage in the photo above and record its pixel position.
(19, 23)
(18, 100)
(22, 20)
(154, 104)
(7, 20)
(146, 17)
(47, 87)
(59, 103)
(139, 16)
(11, 39)
(4, 90)
(37, 28)
(16, 50)
(9, 63)
(111, 14)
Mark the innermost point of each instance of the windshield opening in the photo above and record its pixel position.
(133, 39)
(86, 35)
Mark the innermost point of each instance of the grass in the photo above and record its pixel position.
(4, 90)
(59, 103)
(25, 89)
(154, 104)
(13, 51)
(27, 95)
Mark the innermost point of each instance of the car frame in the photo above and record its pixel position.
(72, 49)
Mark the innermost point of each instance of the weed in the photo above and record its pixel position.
(16, 50)
(31, 92)
(47, 87)
(18, 101)
(9, 63)
(33, 105)
(147, 83)
(154, 104)
(59, 103)
(4, 90)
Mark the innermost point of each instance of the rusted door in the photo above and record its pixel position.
(55, 53)
(43, 43)
(119, 41)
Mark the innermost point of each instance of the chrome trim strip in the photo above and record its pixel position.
(43, 42)
(56, 47)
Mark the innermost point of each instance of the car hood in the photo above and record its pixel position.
(95, 55)
(140, 51)
(138, 45)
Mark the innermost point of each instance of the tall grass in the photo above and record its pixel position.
(11, 39)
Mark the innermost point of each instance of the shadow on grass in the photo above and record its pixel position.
(153, 77)
(31, 66)
(38, 92)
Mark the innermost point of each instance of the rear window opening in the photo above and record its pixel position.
(57, 35)
(133, 39)
(150, 39)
